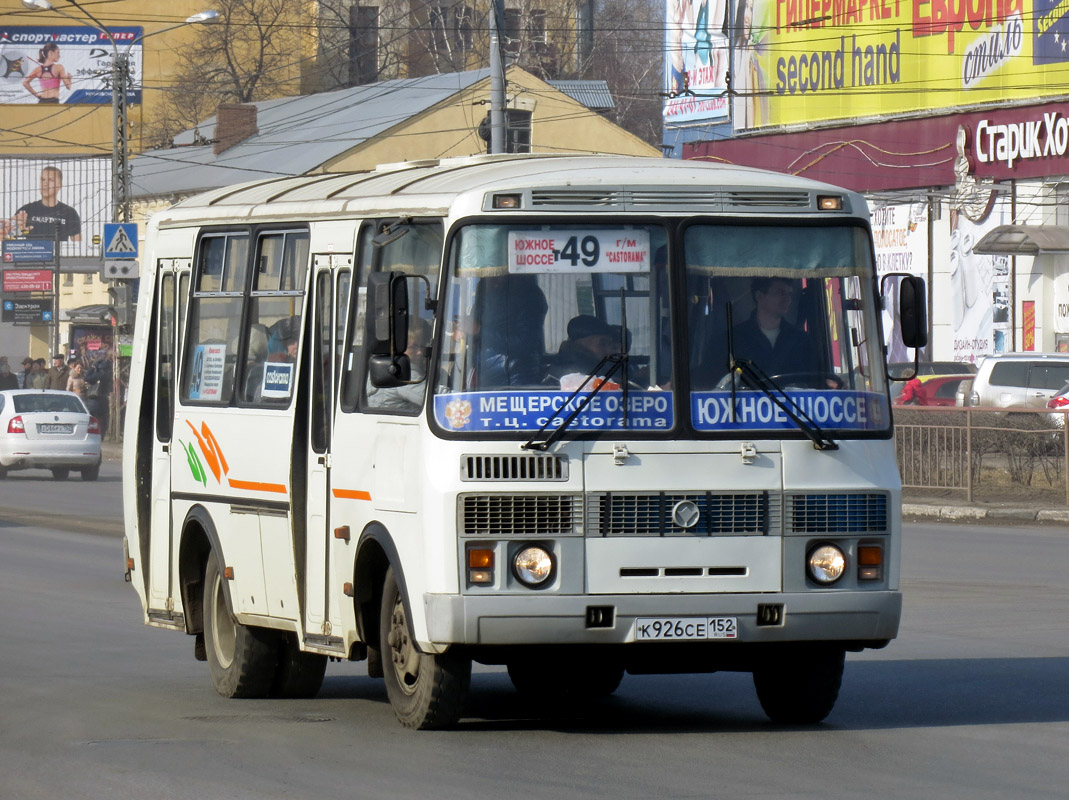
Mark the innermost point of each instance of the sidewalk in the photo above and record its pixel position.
(961, 511)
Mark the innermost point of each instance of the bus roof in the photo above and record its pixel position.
(553, 182)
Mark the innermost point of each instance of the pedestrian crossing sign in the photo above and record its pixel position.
(120, 240)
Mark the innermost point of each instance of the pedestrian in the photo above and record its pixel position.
(38, 377)
(57, 376)
(24, 376)
(99, 379)
(75, 378)
(8, 379)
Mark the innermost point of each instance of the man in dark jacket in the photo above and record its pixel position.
(57, 376)
(98, 381)
(767, 339)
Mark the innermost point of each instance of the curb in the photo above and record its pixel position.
(973, 513)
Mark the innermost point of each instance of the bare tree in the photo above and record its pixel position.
(252, 53)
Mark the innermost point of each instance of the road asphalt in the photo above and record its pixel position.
(948, 510)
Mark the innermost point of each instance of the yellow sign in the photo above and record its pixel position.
(805, 61)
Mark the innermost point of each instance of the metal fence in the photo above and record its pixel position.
(984, 454)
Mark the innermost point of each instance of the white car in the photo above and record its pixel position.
(45, 429)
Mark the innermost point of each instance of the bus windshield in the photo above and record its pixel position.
(534, 311)
(790, 308)
(536, 317)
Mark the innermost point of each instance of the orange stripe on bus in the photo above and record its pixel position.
(351, 494)
(256, 486)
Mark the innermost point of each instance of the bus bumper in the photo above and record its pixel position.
(860, 618)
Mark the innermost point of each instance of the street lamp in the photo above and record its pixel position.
(120, 80)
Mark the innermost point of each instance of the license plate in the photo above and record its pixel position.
(53, 427)
(685, 628)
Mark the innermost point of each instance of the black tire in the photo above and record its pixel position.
(242, 660)
(426, 691)
(298, 675)
(91, 473)
(801, 687)
(3, 473)
(569, 680)
(60, 473)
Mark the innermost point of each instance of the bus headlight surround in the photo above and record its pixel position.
(533, 565)
(826, 563)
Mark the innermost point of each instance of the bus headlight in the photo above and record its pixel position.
(826, 563)
(533, 566)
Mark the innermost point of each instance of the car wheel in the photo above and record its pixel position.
(91, 473)
(60, 473)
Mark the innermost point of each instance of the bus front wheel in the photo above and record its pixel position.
(241, 660)
(800, 688)
(426, 691)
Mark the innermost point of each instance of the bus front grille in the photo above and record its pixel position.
(653, 514)
(521, 515)
(840, 512)
(535, 467)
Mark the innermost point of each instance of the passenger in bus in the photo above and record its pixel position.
(767, 338)
(589, 341)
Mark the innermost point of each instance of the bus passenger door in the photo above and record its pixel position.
(322, 622)
(172, 288)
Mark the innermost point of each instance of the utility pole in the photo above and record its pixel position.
(497, 82)
(120, 153)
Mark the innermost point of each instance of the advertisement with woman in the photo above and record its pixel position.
(65, 65)
(979, 290)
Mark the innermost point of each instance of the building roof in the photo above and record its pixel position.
(296, 134)
(595, 95)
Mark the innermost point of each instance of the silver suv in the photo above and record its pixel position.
(1025, 380)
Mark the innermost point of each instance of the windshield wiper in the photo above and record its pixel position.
(756, 378)
(617, 360)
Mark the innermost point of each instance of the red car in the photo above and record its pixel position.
(934, 390)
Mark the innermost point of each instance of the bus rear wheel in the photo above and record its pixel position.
(426, 690)
(801, 686)
(241, 660)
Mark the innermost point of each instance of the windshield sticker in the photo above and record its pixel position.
(838, 409)
(209, 361)
(529, 411)
(579, 251)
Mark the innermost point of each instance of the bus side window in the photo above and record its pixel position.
(274, 319)
(215, 318)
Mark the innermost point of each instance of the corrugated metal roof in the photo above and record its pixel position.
(296, 134)
(595, 95)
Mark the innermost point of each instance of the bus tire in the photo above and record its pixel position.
(802, 688)
(298, 675)
(426, 691)
(568, 680)
(241, 660)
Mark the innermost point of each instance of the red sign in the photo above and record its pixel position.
(27, 280)
(1028, 324)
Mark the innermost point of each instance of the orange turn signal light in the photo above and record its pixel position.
(480, 558)
(870, 555)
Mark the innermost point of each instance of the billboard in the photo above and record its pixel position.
(801, 62)
(65, 65)
(900, 238)
(696, 61)
(66, 200)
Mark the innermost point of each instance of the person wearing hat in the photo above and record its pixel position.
(589, 341)
(38, 377)
(57, 376)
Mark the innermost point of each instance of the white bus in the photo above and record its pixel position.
(578, 416)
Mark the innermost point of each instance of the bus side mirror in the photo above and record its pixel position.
(387, 334)
(913, 311)
(388, 313)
